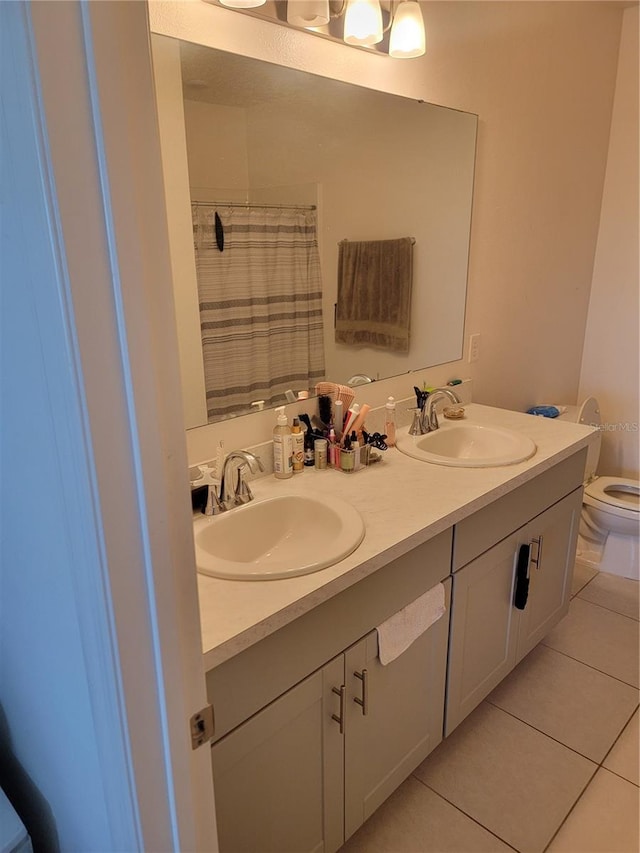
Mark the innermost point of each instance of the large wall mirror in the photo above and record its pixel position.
(372, 166)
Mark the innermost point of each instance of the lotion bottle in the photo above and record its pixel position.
(390, 421)
(282, 447)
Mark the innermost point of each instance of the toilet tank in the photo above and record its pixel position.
(587, 413)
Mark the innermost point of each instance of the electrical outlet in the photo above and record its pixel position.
(474, 348)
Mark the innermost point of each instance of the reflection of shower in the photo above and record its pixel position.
(260, 300)
(359, 379)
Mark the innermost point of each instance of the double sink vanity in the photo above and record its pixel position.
(312, 732)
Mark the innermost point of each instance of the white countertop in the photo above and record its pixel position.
(404, 502)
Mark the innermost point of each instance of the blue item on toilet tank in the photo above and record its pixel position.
(544, 411)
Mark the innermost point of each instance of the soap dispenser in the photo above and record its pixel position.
(282, 447)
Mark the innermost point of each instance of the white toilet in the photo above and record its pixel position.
(609, 538)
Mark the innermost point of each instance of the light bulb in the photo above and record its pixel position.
(363, 23)
(407, 33)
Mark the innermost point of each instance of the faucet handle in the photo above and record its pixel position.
(416, 426)
(214, 504)
(243, 493)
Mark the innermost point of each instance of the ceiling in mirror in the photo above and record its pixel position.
(372, 166)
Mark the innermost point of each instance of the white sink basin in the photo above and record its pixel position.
(278, 537)
(461, 444)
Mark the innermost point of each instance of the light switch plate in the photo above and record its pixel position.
(474, 348)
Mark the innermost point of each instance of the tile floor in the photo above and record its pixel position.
(549, 761)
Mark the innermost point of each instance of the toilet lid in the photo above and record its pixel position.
(615, 491)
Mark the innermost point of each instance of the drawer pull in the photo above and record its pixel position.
(339, 719)
(364, 701)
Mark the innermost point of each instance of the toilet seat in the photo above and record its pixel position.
(617, 495)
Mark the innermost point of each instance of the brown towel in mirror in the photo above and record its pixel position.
(374, 293)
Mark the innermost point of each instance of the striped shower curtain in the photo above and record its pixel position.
(260, 305)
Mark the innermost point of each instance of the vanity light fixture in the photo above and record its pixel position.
(361, 23)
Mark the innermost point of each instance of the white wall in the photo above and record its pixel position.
(217, 136)
(541, 76)
(611, 348)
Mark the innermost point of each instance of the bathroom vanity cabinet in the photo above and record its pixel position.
(298, 765)
(306, 767)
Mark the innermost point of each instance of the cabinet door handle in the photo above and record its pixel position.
(340, 719)
(537, 560)
(364, 701)
(522, 578)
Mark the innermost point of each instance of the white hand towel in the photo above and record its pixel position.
(400, 630)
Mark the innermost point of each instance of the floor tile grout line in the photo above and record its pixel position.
(624, 778)
(604, 607)
(462, 811)
(571, 657)
(584, 586)
(566, 817)
(576, 594)
(551, 737)
(597, 765)
(635, 687)
(624, 728)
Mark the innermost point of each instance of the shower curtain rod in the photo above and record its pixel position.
(251, 204)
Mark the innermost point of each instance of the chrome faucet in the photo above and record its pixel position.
(241, 492)
(429, 416)
(229, 497)
(359, 379)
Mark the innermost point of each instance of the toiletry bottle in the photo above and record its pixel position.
(390, 421)
(309, 457)
(347, 456)
(350, 417)
(320, 447)
(282, 447)
(297, 440)
(331, 451)
(358, 423)
(338, 419)
(355, 446)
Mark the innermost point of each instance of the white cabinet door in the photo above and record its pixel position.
(394, 717)
(482, 645)
(279, 777)
(489, 635)
(552, 537)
